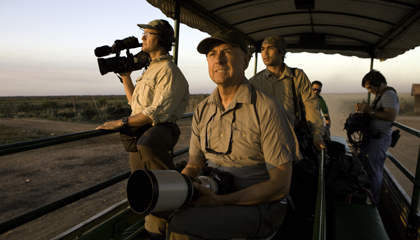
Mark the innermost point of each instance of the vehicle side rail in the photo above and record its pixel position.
(413, 218)
(407, 129)
(39, 143)
(85, 226)
(39, 212)
(50, 141)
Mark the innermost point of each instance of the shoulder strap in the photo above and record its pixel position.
(377, 98)
(254, 102)
(295, 100)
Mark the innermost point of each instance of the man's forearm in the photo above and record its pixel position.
(327, 120)
(259, 193)
(389, 114)
(128, 86)
(314, 119)
(139, 120)
(276, 188)
(194, 166)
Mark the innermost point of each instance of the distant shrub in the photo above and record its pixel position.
(75, 108)
(194, 101)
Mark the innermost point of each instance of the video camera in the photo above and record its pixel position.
(164, 190)
(119, 64)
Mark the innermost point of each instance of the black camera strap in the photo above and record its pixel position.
(295, 100)
(119, 77)
(378, 97)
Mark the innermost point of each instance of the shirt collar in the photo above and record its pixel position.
(161, 58)
(243, 95)
(286, 73)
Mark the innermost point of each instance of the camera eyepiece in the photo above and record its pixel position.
(103, 51)
(126, 43)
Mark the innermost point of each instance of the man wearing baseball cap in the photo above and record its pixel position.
(157, 99)
(290, 86)
(246, 133)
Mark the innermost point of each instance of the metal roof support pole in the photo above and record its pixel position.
(177, 21)
(413, 219)
(256, 61)
(371, 67)
(176, 45)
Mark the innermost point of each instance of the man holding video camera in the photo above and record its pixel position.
(240, 130)
(158, 99)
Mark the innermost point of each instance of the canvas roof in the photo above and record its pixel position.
(363, 28)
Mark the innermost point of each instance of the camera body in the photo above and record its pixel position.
(119, 64)
(223, 181)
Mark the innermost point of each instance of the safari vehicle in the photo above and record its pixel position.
(366, 29)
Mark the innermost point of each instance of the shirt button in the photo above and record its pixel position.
(243, 134)
(221, 135)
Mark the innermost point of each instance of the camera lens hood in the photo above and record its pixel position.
(158, 190)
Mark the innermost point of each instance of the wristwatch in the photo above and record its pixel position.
(373, 112)
(124, 120)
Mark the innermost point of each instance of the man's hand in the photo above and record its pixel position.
(125, 74)
(319, 144)
(206, 198)
(112, 125)
(363, 107)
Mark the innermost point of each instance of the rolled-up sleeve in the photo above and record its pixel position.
(170, 95)
(195, 143)
(309, 100)
(162, 93)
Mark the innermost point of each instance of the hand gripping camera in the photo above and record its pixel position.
(164, 190)
(119, 64)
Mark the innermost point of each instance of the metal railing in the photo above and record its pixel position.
(320, 214)
(413, 217)
(320, 224)
(45, 142)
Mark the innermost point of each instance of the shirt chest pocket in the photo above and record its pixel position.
(147, 90)
(246, 143)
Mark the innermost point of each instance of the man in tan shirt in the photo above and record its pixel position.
(243, 131)
(278, 79)
(158, 99)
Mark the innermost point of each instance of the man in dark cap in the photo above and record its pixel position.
(246, 133)
(159, 98)
(290, 86)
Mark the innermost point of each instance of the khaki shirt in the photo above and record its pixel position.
(161, 92)
(281, 89)
(247, 139)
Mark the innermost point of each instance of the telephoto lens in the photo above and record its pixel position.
(163, 190)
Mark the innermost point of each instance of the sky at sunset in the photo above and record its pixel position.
(47, 49)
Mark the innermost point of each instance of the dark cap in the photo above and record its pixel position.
(153, 24)
(227, 36)
(277, 41)
(162, 26)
